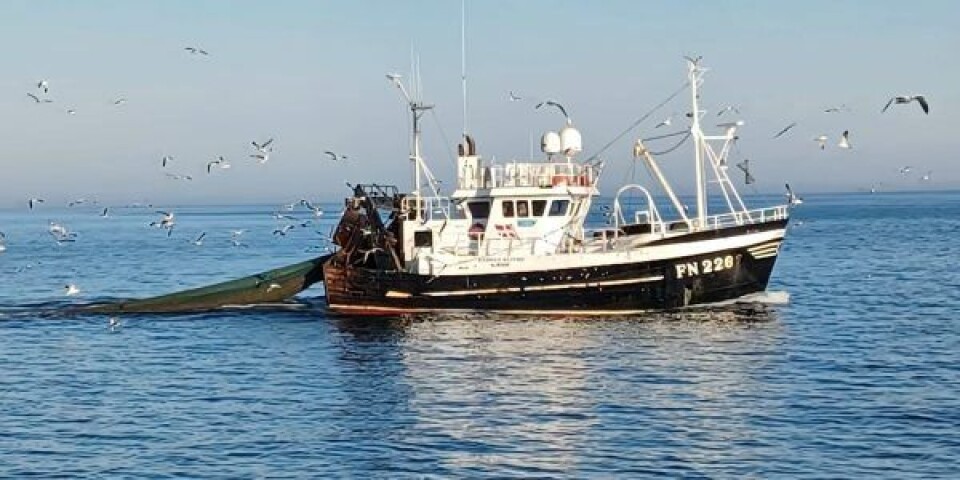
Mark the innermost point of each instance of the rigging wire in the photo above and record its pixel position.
(671, 149)
(639, 121)
(446, 140)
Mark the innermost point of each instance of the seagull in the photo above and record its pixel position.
(33, 202)
(71, 289)
(841, 108)
(694, 61)
(166, 222)
(792, 198)
(728, 108)
(512, 97)
(165, 160)
(61, 234)
(43, 85)
(334, 156)
(281, 216)
(785, 130)
(3, 238)
(235, 238)
(71, 111)
(114, 324)
(317, 211)
(555, 104)
(37, 99)
(199, 240)
(283, 230)
(926, 177)
(262, 148)
(196, 51)
(822, 140)
(178, 177)
(744, 166)
(105, 212)
(901, 99)
(905, 169)
(844, 140)
(220, 162)
(665, 123)
(78, 201)
(261, 158)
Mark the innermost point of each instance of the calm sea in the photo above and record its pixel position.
(857, 376)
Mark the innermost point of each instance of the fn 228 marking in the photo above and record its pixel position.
(705, 266)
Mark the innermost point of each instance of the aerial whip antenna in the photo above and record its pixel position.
(463, 60)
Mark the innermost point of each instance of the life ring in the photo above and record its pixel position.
(476, 231)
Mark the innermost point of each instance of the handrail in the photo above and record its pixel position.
(530, 175)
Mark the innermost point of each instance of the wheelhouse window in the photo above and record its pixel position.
(558, 208)
(539, 206)
(479, 210)
(523, 208)
(507, 206)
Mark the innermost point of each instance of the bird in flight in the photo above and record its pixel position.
(44, 85)
(822, 141)
(178, 177)
(744, 166)
(37, 99)
(512, 97)
(120, 101)
(165, 160)
(903, 99)
(199, 240)
(728, 108)
(665, 123)
(261, 157)
(334, 156)
(114, 324)
(262, 148)
(105, 213)
(905, 169)
(220, 162)
(282, 231)
(844, 140)
(926, 177)
(71, 289)
(33, 202)
(792, 198)
(557, 105)
(785, 130)
(841, 108)
(196, 51)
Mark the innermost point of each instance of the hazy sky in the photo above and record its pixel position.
(311, 74)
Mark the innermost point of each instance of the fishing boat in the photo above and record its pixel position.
(514, 238)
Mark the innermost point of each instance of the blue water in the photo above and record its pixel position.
(858, 375)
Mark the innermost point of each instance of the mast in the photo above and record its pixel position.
(695, 75)
(417, 109)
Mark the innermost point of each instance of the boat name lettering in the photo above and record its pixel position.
(705, 266)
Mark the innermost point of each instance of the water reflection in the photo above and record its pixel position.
(527, 394)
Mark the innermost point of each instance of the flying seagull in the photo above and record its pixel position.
(926, 177)
(844, 140)
(512, 97)
(785, 130)
(905, 169)
(33, 202)
(199, 240)
(196, 51)
(105, 213)
(261, 157)
(334, 156)
(728, 108)
(555, 104)
(71, 289)
(165, 160)
(114, 324)
(901, 99)
(744, 166)
(841, 108)
(792, 198)
(220, 162)
(665, 123)
(37, 99)
(175, 176)
(262, 148)
(43, 85)
(282, 231)
(120, 101)
(822, 141)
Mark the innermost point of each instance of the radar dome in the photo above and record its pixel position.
(570, 141)
(550, 143)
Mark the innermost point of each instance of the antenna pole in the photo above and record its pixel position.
(463, 59)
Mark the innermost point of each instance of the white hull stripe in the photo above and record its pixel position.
(537, 288)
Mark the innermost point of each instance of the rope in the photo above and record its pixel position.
(664, 152)
(640, 120)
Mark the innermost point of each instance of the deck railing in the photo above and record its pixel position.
(529, 175)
